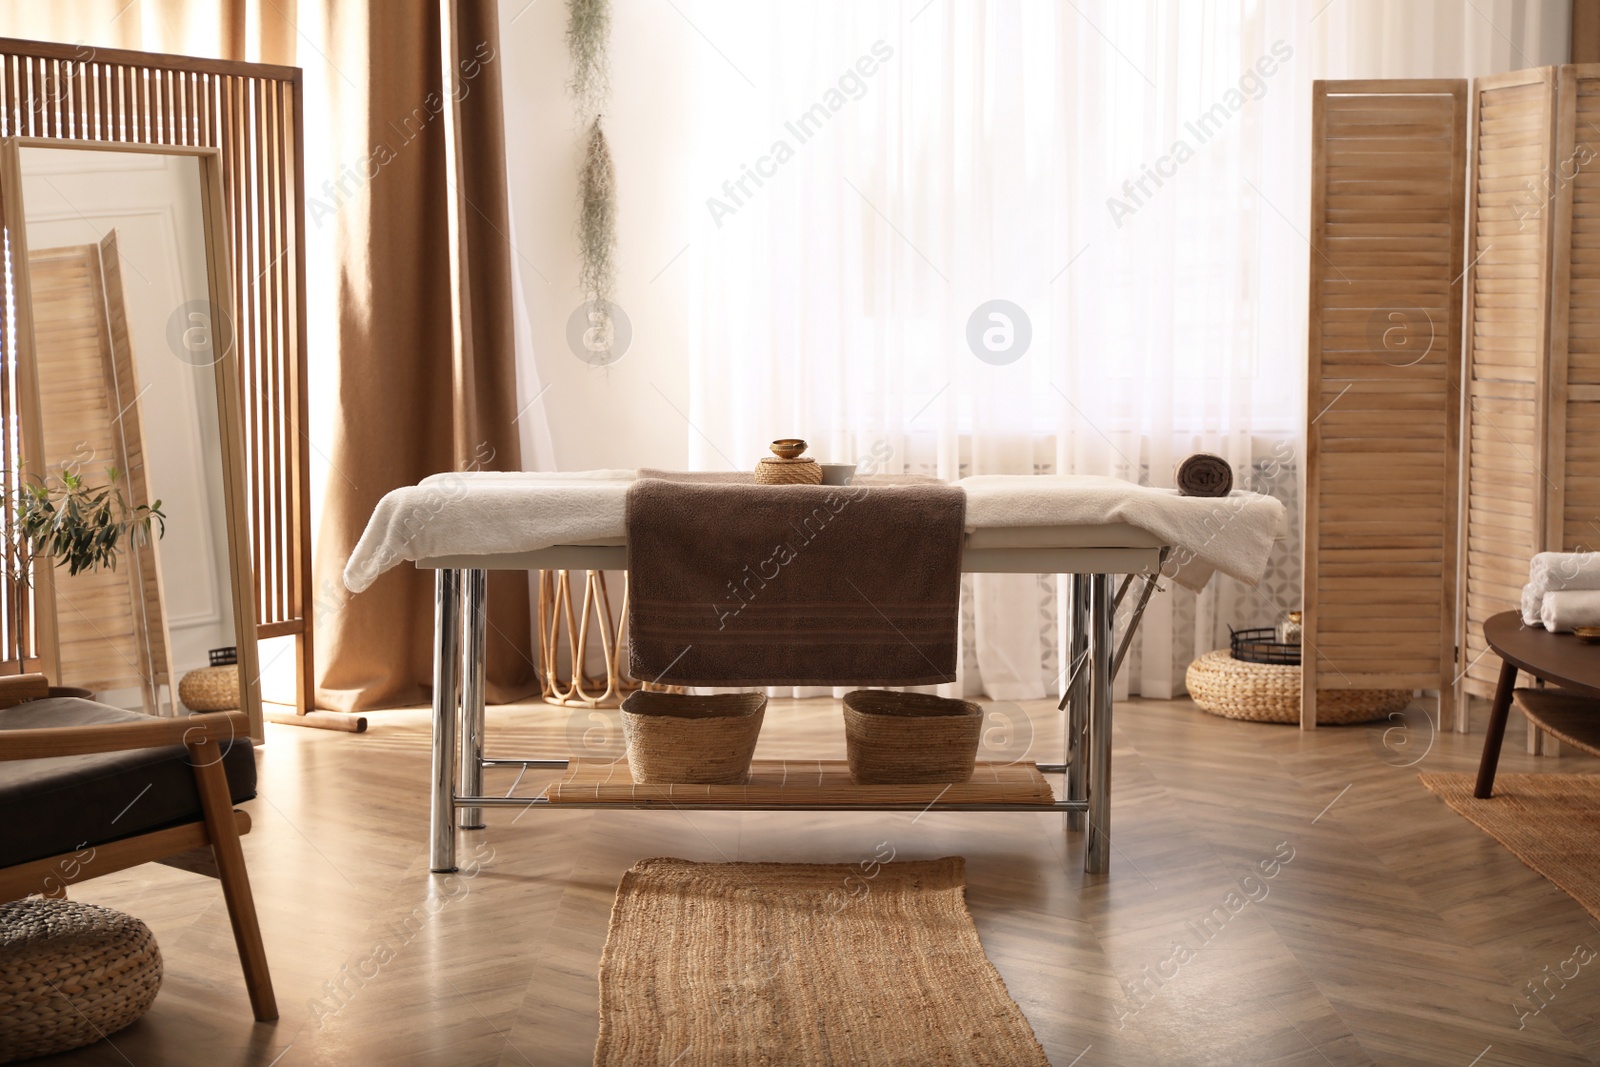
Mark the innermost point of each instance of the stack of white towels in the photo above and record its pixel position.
(1563, 591)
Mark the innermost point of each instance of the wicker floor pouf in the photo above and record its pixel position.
(210, 689)
(70, 974)
(1270, 692)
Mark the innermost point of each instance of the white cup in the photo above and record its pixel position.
(838, 473)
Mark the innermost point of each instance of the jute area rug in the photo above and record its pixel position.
(806, 964)
(1551, 822)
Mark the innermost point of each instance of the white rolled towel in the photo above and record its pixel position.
(1531, 603)
(1562, 610)
(1563, 570)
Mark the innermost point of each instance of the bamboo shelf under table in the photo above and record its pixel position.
(800, 784)
(1090, 554)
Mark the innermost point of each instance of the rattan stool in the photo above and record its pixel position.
(210, 689)
(70, 974)
(1270, 692)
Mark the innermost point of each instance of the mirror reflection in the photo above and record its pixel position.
(125, 359)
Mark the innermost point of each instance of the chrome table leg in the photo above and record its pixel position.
(475, 606)
(1077, 706)
(1102, 631)
(446, 711)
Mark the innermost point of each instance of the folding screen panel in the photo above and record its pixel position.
(1508, 358)
(110, 623)
(1387, 204)
(1572, 464)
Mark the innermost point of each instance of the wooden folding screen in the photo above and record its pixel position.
(1572, 468)
(1387, 190)
(252, 113)
(110, 623)
(1512, 222)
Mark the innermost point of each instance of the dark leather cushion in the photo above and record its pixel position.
(67, 803)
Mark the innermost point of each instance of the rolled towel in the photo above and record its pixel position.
(1563, 570)
(1562, 610)
(1531, 604)
(1204, 474)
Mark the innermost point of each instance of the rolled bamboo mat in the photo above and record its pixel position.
(824, 782)
(1551, 822)
(802, 964)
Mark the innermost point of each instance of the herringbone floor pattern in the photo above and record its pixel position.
(1275, 897)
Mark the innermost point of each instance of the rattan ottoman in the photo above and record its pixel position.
(1270, 692)
(70, 974)
(210, 689)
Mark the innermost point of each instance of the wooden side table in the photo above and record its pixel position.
(1560, 659)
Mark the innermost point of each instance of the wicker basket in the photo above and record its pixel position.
(70, 974)
(910, 738)
(210, 689)
(674, 737)
(775, 470)
(1270, 692)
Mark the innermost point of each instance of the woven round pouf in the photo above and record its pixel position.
(1270, 692)
(210, 689)
(70, 974)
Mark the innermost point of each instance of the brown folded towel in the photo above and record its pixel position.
(734, 584)
(749, 477)
(1204, 474)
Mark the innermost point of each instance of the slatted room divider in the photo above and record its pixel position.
(1387, 186)
(1395, 494)
(252, 112)
(1509, 357)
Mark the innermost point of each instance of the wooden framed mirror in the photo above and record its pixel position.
(127, 361)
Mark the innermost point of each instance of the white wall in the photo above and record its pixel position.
(616, 416)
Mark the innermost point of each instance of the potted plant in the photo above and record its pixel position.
(80, 526)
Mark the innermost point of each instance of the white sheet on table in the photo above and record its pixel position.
(483, 513)
(1232, 534)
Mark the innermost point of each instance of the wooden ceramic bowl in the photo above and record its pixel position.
(1590, 634)
(788, 447)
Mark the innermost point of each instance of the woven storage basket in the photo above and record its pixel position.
(775, 470)
(210, 689)
(70, 974)
(708, 740)
(1270, 692)
(910, 738)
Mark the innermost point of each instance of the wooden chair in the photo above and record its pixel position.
(197, 831)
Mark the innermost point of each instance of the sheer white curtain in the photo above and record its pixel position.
(1129, 177)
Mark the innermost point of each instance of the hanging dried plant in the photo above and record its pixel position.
(597, 219)
(588, 33)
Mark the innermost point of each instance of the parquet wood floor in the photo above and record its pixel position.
(1275, 897)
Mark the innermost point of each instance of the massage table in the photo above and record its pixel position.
(1210, 534)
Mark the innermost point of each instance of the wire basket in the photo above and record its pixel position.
(1260, 644)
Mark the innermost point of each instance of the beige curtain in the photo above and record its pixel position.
(257, 31)
(411, 401)
(408, 407)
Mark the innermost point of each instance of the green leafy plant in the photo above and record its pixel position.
(79, 525)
